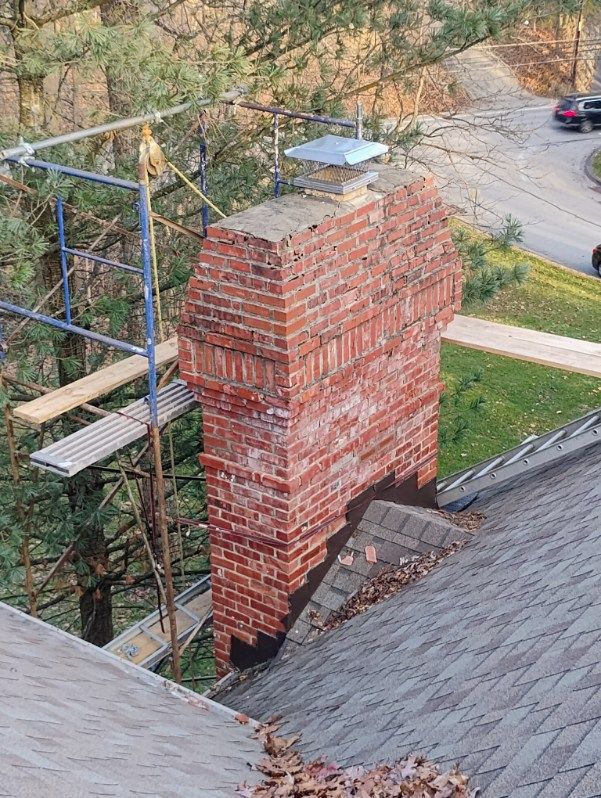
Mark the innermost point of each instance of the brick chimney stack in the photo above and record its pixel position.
(311, 337)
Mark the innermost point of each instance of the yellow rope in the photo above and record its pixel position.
(151, 162)
(194, 188)
(154, 162)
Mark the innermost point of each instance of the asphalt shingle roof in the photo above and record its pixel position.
(397, 533)
(493, 660)
(76, 722)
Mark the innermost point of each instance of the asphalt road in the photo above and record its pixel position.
(491, 164)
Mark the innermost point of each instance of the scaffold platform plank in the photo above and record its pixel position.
(52, 405)
(103, 438)
(557, 351)
(148, 642)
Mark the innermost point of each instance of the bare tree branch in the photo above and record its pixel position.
(77, 7)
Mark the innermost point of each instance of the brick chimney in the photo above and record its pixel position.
(311, 337)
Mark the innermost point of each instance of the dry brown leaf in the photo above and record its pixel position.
(286, 775)
(370, 554)
(470, 520)
(386, 583)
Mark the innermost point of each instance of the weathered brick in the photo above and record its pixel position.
(316, 360)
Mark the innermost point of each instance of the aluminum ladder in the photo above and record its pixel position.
(147, 643)
(533, 452)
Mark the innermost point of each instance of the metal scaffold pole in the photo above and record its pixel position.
(29, 149)
(155, 436)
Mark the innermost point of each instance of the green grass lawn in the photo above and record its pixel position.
(522, 398)
(596, 164)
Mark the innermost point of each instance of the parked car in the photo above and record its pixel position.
(582, 111)
(596, 259)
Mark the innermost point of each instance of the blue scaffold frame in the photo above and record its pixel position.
(142, 191)
(145, 273)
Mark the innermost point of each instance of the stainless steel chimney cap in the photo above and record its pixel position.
(337, 150)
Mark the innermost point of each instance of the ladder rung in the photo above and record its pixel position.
(489, 467)
(588, 423)
(518, 455)
(461, 477)
(533, 452)
(552, 439)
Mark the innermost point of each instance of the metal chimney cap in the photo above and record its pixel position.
(337, 150)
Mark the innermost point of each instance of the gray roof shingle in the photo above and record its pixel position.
(397, 533)
(77, 721)
(493, 660)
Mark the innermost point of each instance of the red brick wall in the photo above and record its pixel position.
(311, 336)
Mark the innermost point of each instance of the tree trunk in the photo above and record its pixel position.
(96, 610)
(84, 494)
(95, 600)
(31, 90)
(31, 102)
(120, 12)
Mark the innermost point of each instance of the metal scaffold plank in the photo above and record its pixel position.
(103, 438)
(557, 351)
(147, 642)
(52, 405)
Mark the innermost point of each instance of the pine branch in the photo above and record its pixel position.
(407, 68)
(77, 7)
(176, 4)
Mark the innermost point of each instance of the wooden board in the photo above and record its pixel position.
(51, 405)
(557, 351)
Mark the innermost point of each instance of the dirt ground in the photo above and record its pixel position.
(541, 64)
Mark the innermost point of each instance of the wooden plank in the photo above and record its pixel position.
(54, 404)
(546, 349)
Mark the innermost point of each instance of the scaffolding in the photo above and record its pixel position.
(147, 417)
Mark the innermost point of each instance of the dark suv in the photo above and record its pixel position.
(579, 110)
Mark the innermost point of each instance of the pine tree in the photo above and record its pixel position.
(309, 54)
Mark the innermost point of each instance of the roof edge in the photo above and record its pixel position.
(177, 691)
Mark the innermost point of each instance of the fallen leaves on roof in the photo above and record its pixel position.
(471, 520)
(386, 583)
(287, 775)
